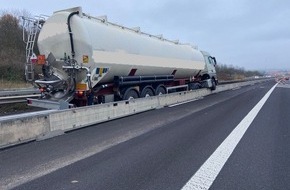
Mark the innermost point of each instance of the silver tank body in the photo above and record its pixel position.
(114, 49)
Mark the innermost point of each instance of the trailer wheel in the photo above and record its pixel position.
(130, 94)
(160, 90)
(213, 87)
(147, 92)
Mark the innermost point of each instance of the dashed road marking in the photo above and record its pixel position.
(208, 172)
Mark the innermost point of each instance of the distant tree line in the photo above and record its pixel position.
(12, 52)
(230, 72)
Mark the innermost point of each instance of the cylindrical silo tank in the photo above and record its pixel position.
(113, 49)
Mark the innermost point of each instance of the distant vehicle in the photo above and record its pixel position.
(85, 58)
(286, 78)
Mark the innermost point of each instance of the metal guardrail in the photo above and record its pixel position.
(243, 80)
(16, 99)
(18, 95)
(17, 92)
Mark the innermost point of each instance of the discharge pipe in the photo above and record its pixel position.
(71, 34)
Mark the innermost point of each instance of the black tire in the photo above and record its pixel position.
(160, 90)
(130, 94)
(213, 87)
(147, 92)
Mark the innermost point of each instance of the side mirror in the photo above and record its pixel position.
(215, 63)
(214, 60)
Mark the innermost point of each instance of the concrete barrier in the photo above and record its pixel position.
(84, 116)
(40, 127)
(16, 131)
(179, 97)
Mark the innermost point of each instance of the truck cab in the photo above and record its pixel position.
(209, 71)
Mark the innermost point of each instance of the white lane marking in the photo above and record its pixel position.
(208, 172)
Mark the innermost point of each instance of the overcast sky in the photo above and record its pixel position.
(253, 34)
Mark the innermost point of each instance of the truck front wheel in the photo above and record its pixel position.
(213, 87)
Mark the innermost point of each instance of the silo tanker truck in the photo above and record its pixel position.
(89, 60)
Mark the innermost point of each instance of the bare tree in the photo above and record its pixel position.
(12, 47)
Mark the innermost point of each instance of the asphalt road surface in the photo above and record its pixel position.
(237, 139)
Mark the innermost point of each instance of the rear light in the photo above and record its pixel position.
(80, 93)
(42, 89)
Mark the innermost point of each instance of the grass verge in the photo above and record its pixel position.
(14, 84)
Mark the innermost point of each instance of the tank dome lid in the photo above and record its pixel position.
(74, 9)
